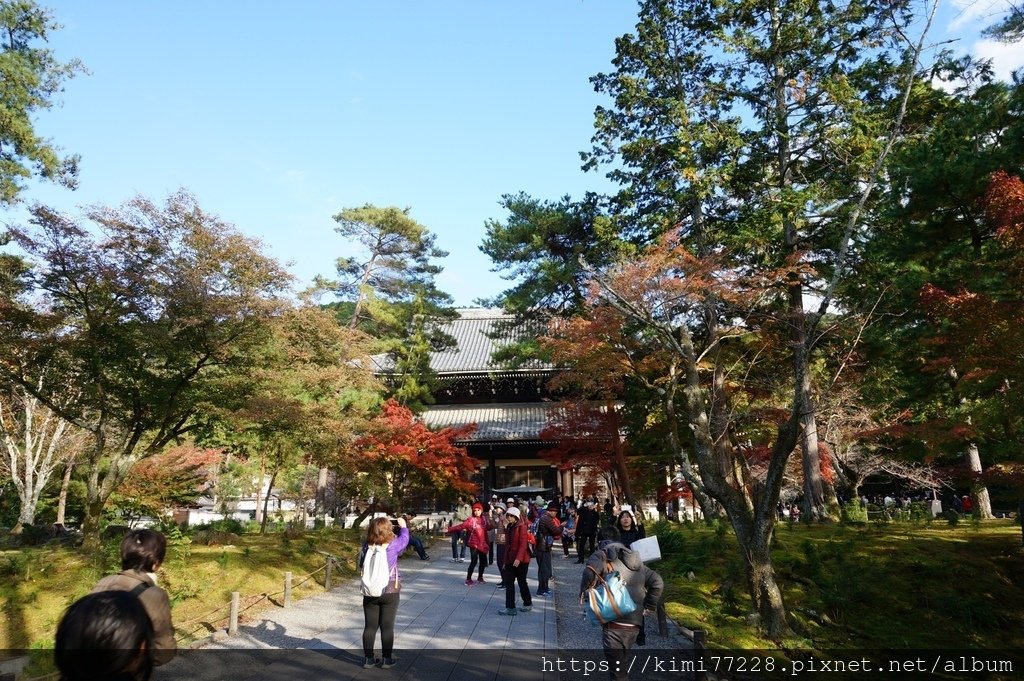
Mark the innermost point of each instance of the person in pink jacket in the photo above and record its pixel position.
(476, 530)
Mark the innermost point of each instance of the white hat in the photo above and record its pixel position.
(500, 505)
(510, 500)
(513, 511)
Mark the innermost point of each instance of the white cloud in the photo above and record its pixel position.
(983, 12)
(1006, 58)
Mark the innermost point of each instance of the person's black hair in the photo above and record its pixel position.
(105, 635)
(143, 550)
(608, 533)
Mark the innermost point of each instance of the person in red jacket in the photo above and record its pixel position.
(476, 529)
(517, 562)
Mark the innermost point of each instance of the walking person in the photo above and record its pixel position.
(548, 528)
(517, 562)
(475, 528)
(461, 514)
(379, 612)
(629, 529)
(500, 542)
(568, 531)
(586, 531)
(645, 587)
(142, 554)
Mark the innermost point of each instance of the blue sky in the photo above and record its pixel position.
(276, 116)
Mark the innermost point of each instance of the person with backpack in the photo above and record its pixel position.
(548, 528)
(645, 587)
(475, 528)
(381, 586)
(142, 553)
(517, 562)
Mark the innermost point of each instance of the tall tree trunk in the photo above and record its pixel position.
(62, 498)
(259, 492)
(979, 493)
(754, 534)
(620, 454)
(320, 504)
(266, 501)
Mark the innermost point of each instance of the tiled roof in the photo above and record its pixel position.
(474, 345)
(496, 422)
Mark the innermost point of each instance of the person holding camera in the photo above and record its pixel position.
(379, 612)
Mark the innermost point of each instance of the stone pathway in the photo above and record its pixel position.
(445, 630)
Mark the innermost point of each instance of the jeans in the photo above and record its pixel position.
(517, 575)
(417, 545)
(458, 552)
(379, 613)
(543, 570)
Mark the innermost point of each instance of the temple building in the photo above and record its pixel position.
(509, 406)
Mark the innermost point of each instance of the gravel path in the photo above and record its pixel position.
(574, 632)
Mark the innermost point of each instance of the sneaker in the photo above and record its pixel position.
(462, 560)
(481, 581)
(454, 560)
(507, 611)
(387, 663)
(470, 582)
(526, 608)
(543, 593)
(501, 585)
(369, 663)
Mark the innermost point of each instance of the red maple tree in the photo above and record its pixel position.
(400, 456)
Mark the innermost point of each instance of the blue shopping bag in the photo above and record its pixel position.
(607, 599)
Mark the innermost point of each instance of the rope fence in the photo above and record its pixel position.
(240, 604)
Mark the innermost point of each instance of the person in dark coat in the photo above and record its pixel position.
(629, 529)
(586, 531)
(548, 529)
(645, 586)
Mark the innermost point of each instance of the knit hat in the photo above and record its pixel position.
(478, 505)
(500, 505)
(513, 511)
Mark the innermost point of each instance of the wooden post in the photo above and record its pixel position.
(327, 577)
(233, 617)
(700, 640)
(287, 589)
(662, 618)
